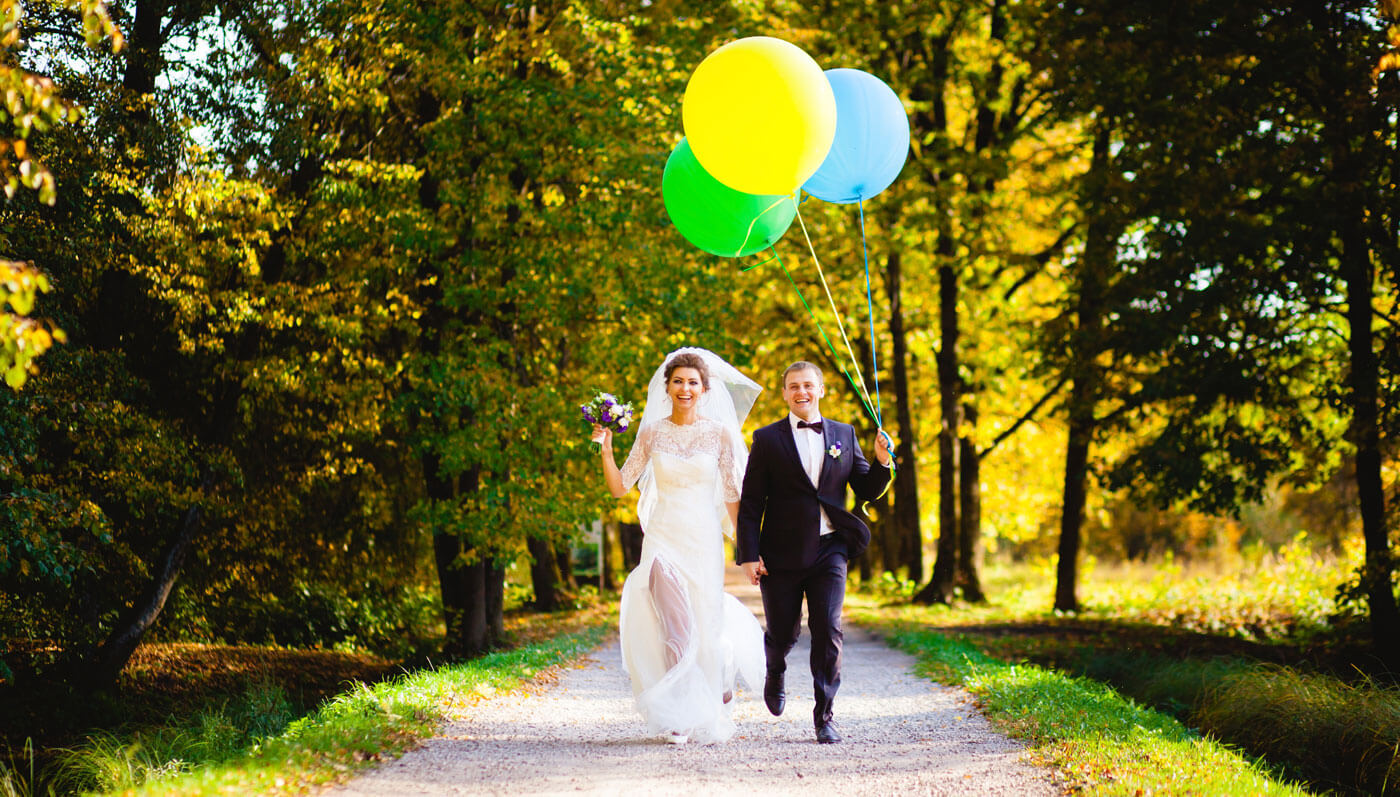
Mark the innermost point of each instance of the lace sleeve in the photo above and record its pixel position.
(732, 458)
(637, 458)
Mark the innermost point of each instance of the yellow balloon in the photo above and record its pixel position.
(759, 115)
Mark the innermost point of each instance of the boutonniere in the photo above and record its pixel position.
(835, 451)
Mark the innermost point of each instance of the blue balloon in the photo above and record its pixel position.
(872, 140)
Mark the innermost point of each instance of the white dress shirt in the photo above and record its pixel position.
(812, 449)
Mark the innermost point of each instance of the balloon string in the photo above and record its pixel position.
(855, 362)
(756, 265)
(870, 305)
(749, 231)
(835, 357)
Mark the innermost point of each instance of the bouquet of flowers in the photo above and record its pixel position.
(606, 411)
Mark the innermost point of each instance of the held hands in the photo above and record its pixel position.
(754, 569)
(884, 448)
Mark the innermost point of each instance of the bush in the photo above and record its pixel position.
(390, 621)
(889, 588)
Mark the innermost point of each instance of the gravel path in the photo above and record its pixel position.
(902, 735)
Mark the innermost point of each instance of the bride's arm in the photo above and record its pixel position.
(620, 480)
(733, 507)
(611, 474)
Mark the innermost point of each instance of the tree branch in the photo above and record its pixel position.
(1040, 259)
(1028, 415)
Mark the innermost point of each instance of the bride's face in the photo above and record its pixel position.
(685, 388)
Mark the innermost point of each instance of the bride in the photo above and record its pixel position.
(685, 641)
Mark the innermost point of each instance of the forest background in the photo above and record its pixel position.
(301, 300)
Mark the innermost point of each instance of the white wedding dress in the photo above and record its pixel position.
(685, 640)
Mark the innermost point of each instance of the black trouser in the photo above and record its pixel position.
(824, 586)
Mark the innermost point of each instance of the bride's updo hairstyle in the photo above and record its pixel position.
(689, 360)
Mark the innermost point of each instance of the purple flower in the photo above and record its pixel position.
(605, 410)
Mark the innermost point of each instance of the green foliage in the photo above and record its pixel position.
(32, 107)
(397, 622)
(32, 104)
(889, 588)
(22, 339)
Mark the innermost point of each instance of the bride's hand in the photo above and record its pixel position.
(602, 436)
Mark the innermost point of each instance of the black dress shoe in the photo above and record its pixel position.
(773, 695)
(826, 734)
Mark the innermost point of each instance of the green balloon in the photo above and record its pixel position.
(714, 216)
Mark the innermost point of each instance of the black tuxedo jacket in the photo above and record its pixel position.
(779, 509)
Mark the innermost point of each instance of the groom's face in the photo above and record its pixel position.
(803, 391)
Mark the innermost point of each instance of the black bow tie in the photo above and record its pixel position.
(816, 427)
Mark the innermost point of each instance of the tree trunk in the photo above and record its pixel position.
(631, 534)
(1100, 254)
(990, 111)
(885, 552)
(115, 652)
(495, 604)
(544, 574)
(906, 536)
(929, 123)
(612, 531)
(144, 41)
(940, 587)
(463, 585)
(1081, 429)
(1364, 391)
(969, 577)
(448, 555)
(475, 629)
(564, 555)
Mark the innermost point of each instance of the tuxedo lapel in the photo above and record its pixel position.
(789, 446)
(829, 466)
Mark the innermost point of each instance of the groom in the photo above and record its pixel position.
(795, 531)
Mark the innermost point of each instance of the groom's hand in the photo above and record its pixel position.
(754, 569)
(884, 448)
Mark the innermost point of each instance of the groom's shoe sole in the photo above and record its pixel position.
(773, 695)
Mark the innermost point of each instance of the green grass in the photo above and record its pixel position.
(256, 744)
(1243, 650)
(1105, 742)
(17, 774)
(1335, 734)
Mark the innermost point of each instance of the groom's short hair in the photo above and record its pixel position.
(803, 365)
